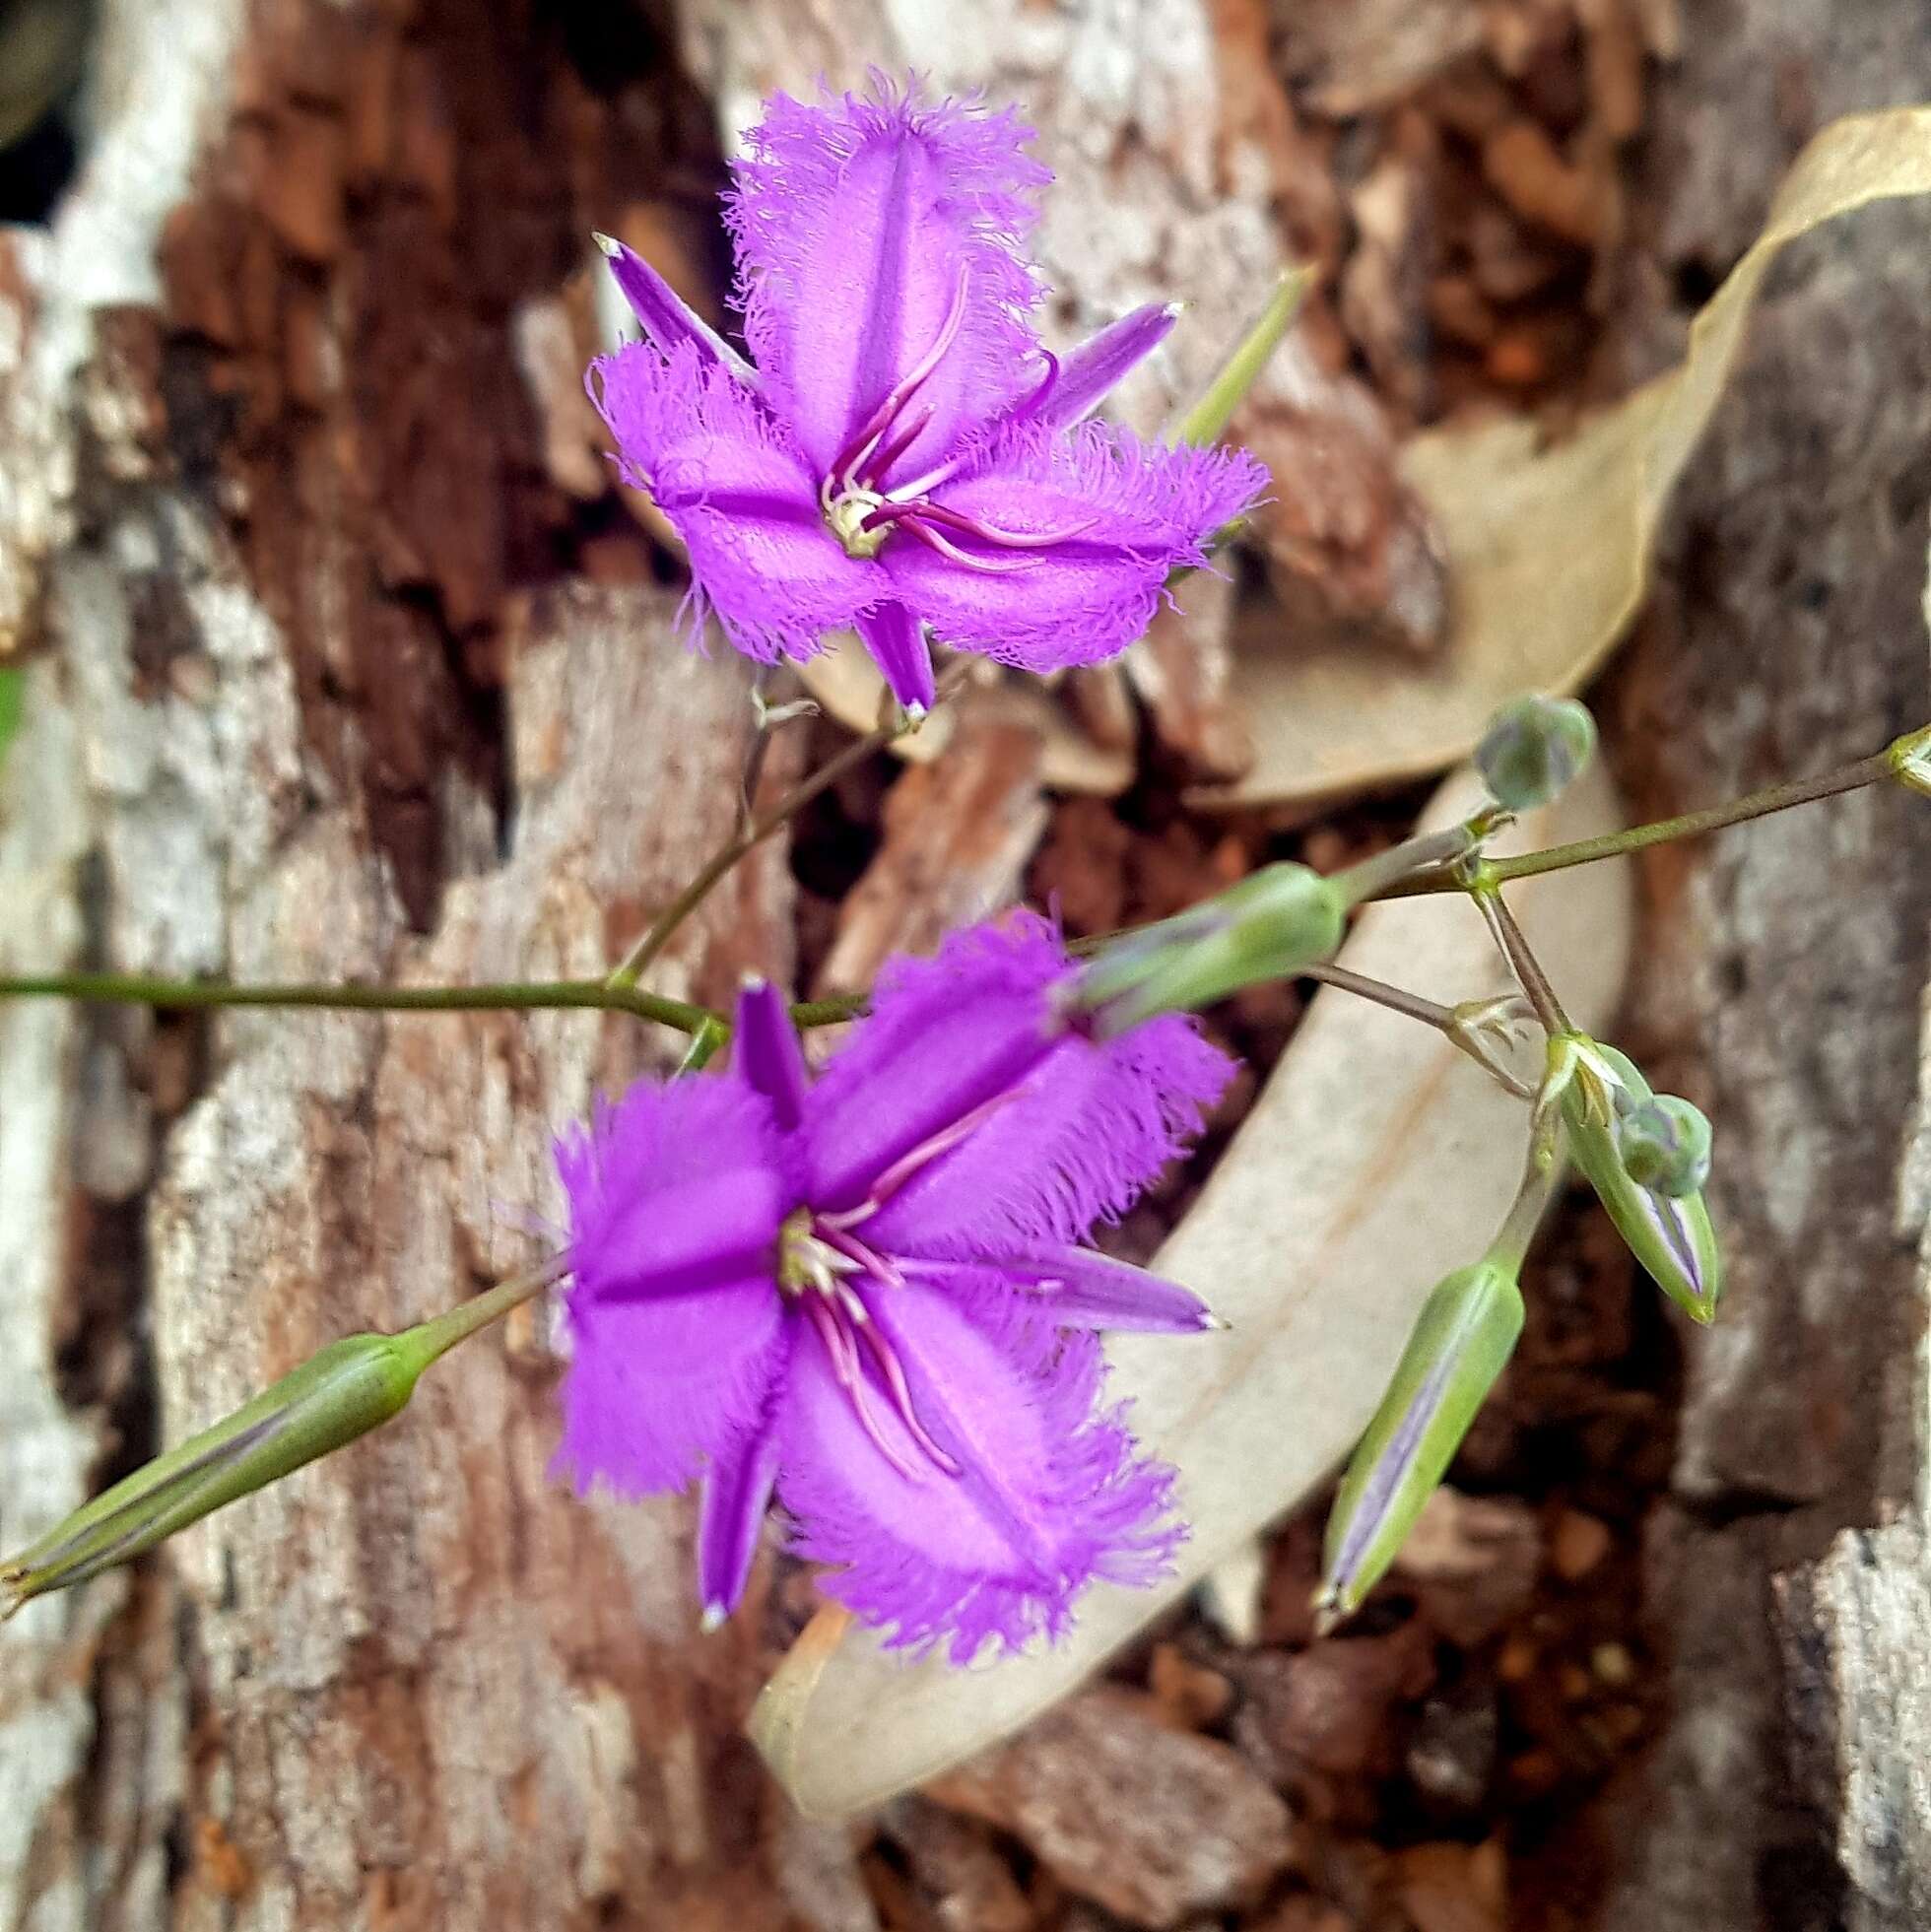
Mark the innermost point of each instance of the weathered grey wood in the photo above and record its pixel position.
(1783, 985)
(419, 1684)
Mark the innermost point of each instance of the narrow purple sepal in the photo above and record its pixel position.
(897, 641)
(737, 1492)
(1098, 366)
(664, 315)
(767, 1053)
(1079, 1287)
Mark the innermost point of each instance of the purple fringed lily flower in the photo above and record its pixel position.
(903, 454)
(866, 1292)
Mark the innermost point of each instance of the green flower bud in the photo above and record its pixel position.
(1533, 748)
(1272, 925)
(1665, 1145)
(1671, 1234)
(1467, 1331)
(349, 1388)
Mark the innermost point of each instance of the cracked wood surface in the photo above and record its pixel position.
(269, 479)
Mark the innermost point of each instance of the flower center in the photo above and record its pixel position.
(845, 510)
(817, 1262)
(807, 1263)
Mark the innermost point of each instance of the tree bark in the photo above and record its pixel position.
(1781, 986)
(322, 689)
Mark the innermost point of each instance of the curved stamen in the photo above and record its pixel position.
(902, 1396)
(909, 1163)
(991, 533)
(900, 392)
(948, 548)
(1021, 412)
(848, 1371)
(915, 426)
(879, 1266)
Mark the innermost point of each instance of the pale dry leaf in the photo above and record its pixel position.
(1376, 1159)
(1549, 545)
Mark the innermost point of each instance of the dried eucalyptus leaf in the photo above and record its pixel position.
(1376, 1157)
(1549, 545)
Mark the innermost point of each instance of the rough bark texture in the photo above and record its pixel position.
(272, 482)
(1782, 989)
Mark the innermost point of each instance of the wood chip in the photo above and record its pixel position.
(1354, 60)
(1182, 669)
(1152, 1824)
(1471, 1562)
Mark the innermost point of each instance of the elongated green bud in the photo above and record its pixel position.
(1671, 1234)
(1206, 420)
(1467, 1331)
(1532, 750)
(349, 1388)
(1272, 925)
(1665, 1145)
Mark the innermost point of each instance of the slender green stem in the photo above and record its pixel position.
(644, 954)
(1395, 998)
(1542, 1175)
(187, 995)
(1413, 860)
(1688, 825)
(1450, 1020)
(1516, 949)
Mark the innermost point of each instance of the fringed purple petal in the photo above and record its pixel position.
(897, 641)
(737, 1491)
(1050, 1495)
(675, 1197)
(1134, 513)
(1098, 366)
(856, 222)
(766, 1053)
(673, 1176)
(1088, 1123)
(946, 1036)
(656, 1388)
(665, 316)
(737, 490)
(1075, 1288)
